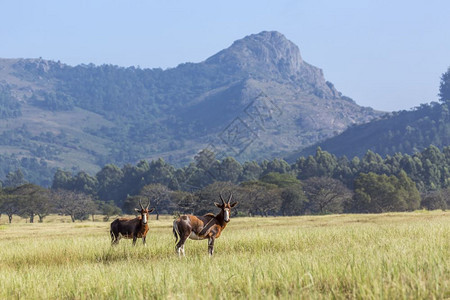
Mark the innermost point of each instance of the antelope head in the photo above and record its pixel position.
(226, 207)
(144, 211)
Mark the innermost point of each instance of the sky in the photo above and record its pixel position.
(388, 55)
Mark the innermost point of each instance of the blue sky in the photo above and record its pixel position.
(385, 54)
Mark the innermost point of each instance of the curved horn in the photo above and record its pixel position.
(140, 204)
(223, 201)
(229, 199)
(148, 204)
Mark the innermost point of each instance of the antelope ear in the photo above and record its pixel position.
(234, 204)
(137, 209)
(150, 210)
(218, 205)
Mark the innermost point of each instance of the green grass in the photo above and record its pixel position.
(386, 256)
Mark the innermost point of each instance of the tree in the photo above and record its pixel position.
(109, 209)
(130, 203)
(260, 198)
(14, 179)
(206, 197)
(35, 200)
(109, 180)
(184, 201)
(325, 195)
(278, 166)
(10, 204)
(158, 196)
(444, 89)
(434, 200)
(251, 171)
(161, 172)
(380, 193)
(62, 180)
(230, 170)
(292, 197)
(74, 204)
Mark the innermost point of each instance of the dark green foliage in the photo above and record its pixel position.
(444, 89)
(380, 193)
(14, 179)
(9, 106)
(52, 101)
(439, 199)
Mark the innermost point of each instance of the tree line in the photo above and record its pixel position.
(318, 184)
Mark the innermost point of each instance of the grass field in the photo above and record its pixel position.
(386, 256)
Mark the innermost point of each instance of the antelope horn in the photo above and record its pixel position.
(148, 204)
(223, 201)
(231, 196)
(140, 204)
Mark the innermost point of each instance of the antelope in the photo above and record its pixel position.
(131, 228)
(208, 226)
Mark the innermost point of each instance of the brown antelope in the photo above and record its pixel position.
(208, 226)
(131, 228)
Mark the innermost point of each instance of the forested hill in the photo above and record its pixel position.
(404, 131)
(256, 99)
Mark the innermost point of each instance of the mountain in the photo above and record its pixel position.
(406, 132)
(256, 99)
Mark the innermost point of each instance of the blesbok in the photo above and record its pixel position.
(131, 227)
(208, 226)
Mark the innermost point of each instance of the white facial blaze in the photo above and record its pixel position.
(227, 215)
(144, 219)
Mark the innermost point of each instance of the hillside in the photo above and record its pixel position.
(256, 99)
(407, 132)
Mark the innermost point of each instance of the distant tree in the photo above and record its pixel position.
(85, 183)
(130, 203)
(434, 200)
(229, 170)
(158, 196)
(62, 180)
(326, 195)
(133, 178)
(10, 204)
(278, 166)
(206, 197)
(380, 193)
(14, 179)
(293, 199)
(109, 209)
(35, 201)
(444, 89)
(185, 201)
(161, 172)
(250, 171)
(74, 204)
(260, 198)
(109, 180)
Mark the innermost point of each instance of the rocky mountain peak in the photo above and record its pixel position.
(268, 52)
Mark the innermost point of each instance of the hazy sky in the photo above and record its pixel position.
(385, 54)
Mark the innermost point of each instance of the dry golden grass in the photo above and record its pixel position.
(397, 255)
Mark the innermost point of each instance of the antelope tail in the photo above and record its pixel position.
(176, 233)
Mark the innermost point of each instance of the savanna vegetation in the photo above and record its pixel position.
(392, 256)
(319, 184)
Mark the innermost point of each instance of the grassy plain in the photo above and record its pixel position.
(385, 256)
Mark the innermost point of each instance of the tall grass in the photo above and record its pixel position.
(401, 255)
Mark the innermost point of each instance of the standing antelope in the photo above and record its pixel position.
(208, 226)
(131, 228)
